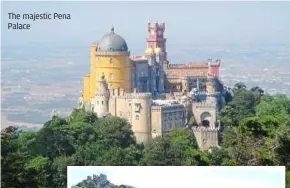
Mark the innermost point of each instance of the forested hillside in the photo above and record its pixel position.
(256, 131)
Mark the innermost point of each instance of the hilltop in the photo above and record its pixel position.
(98, 182)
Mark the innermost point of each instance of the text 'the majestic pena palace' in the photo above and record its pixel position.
(152, 94)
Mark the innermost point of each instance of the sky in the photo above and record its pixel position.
(186, 22)
(189, 177)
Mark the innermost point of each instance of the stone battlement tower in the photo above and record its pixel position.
(156, 37)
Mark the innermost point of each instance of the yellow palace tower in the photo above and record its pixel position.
(109, 61)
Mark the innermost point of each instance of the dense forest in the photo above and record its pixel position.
(256, 131)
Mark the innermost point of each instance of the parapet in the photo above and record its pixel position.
(141, 95)
(156, 25)
(119, 93)
(215, 63)
(205, 129)
(155, 107)
(190, 65)
(204, 105)
(158, 105)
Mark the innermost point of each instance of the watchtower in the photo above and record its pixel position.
(156, 37)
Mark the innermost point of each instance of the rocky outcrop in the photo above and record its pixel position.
(98, 182)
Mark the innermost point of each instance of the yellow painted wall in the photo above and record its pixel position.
(86, 89)
(115, 66)
(116, 69)
(93, 82)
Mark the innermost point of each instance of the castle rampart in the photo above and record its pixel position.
(206, 137)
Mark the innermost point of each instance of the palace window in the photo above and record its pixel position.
(137, 117)
(111, 76)
(137, 107)
(111, 61)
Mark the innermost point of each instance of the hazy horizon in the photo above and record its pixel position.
(186, 22)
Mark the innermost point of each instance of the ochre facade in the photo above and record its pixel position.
(114, 66)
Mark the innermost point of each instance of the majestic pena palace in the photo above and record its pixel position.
(152, 94)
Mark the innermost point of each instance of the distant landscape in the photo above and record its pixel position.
(38, 79)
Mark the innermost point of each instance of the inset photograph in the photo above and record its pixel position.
(175, 177)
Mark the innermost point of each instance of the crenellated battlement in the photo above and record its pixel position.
(141, 95)
(187, 65)
(216, 63)
(156, 107)
(156, 26)
(103, 95)
(205, 129)
(119, 93)
(204, 105)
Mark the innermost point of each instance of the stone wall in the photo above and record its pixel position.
(206, 137)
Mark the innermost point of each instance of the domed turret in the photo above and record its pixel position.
(111, 59)
(101, 100)
(112, 42)
(103, 87)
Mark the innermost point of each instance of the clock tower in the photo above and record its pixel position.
(156, 37)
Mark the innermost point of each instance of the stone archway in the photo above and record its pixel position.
(206, 119)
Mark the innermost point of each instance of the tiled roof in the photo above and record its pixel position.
(188, 65)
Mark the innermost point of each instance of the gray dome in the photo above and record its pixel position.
(112, 42)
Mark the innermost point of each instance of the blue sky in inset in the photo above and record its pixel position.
(169, 177)
(186, 22)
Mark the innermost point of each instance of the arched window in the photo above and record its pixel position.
(137, 117)
(111, 60)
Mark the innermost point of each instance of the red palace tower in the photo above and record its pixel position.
(156, 37)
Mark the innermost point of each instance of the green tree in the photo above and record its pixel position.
(172, 149)
(59, 170)
(11, 161)
(241, 106)
(287, 179)
(38, 171)
(217, 157)
(277, 105)
(240, 86)
(55, 139)
(80, 115)
(115, 131)
(281, 145)
(250, 143)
